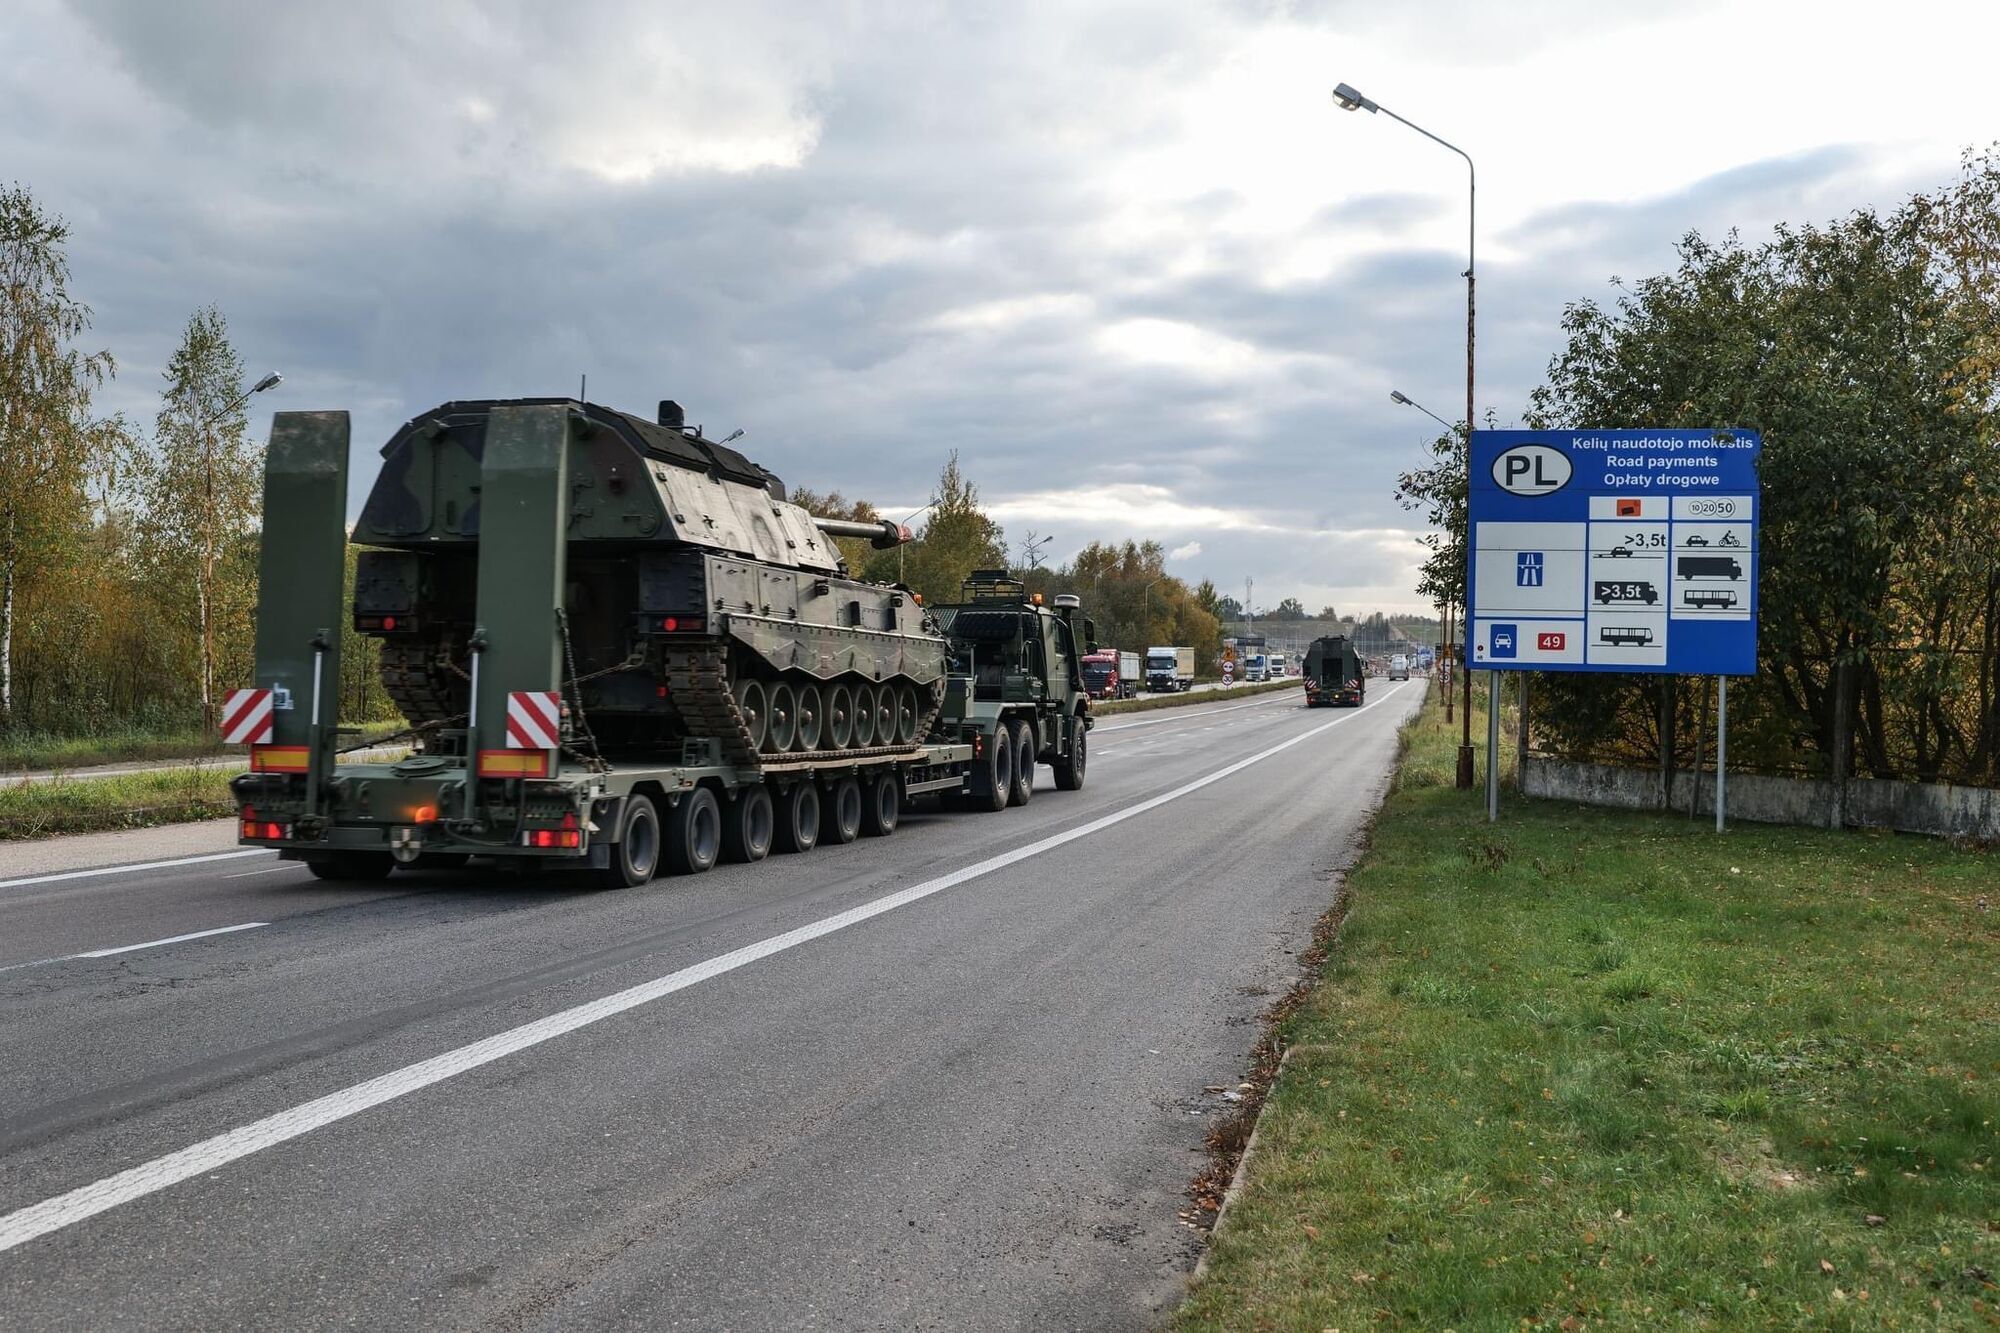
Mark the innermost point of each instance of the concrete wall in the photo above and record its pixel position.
(1908, 807)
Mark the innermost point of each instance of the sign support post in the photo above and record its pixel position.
(1721, 749)
(1492, 745)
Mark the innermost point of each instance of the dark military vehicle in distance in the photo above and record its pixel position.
(1334, 673)
(1016, 689)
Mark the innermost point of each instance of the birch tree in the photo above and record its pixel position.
(50, 450)
(200, 487)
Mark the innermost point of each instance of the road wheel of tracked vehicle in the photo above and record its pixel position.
(1069, 768)
(840, 812)
(782, 712)
(694, 833)
(636, 854)
(811, 713)
(357, 866)
(755, 706)
(798, 818)
(881, 805)
(864, 716)
(1024, 763)
(839, 716)
(906, 714)
(993, 772)
(748, 825)
(885, 714)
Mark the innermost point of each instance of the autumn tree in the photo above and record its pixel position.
(201, 486)
(51, 450)
(958, 537)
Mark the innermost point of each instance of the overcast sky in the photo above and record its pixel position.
(1127, 258)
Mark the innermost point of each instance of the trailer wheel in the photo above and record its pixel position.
(748, 826)
(694, 833)
(883, 807)
(1069, 769)
(1024, 763)
(636, 854)
(993, 772)
(359, 866)
(798, 818)
(840, 812)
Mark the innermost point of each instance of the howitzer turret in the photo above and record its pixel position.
(700, 610)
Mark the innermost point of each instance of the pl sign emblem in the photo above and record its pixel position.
(1531, 469)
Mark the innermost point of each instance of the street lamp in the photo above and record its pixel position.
(1444, 614)
(906, 545)
(270, 381)
(1350, 99)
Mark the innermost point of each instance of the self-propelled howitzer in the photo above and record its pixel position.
(699, 607)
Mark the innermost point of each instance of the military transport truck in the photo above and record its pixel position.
(1334, 673)
(1016, 689)
(620, 645)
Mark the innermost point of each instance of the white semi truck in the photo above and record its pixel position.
(1169, 670)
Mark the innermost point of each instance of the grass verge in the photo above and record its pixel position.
(130, 800)
(1147, 703)
(33, 752)
(1590, 1068)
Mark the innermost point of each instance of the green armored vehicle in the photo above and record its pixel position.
(1335, 673)
(620, 646)
(1016, 690)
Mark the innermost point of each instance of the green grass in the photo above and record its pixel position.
(130, 800)
(1147, 703)
(1591, 1069)
(40, 752)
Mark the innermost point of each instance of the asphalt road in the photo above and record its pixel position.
(952, 1079)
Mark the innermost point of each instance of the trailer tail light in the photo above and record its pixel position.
(555, 838)
(677, 624)
(513, 763)
(400, 624)
(280, 758)
(261, 829)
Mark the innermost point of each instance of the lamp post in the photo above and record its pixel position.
(1350, 99)
(1398, 396)
(203, 592)
(906, 545)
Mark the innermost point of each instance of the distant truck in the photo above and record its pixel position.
(1169, 670)
(1256, 667)
(1334, 673)
(1399, 667)
(1709, 567)
(1111, 674)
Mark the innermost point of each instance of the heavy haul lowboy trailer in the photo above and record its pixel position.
(782, 706)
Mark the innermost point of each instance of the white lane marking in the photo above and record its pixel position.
(131, 948)
(142, 865)
(53, 1214)
(267, 870)
(1192, 717)
(172, 939)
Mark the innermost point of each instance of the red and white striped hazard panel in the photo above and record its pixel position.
(246, 718)
(534, 720)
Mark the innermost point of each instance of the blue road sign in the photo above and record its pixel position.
(1629, 550)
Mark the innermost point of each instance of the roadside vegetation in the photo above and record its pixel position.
(1586, 1068)
(130, 800)
(1147, 703)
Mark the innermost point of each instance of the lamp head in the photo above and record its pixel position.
(270, 381)
(1396, 395)
(1350, 98)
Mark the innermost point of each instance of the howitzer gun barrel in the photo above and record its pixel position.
(882, 534)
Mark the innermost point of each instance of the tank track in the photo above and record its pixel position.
(417, 678)
(699, 683)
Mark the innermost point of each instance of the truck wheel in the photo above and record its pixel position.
(748, 826)
(1024, 763)
(840, 813)
(636, 854)
(694, 833)
(357, 866)
(798, 818)
(1069, 768)
(883, 806)
(993, 772)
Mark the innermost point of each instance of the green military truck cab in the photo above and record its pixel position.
(1016, 690)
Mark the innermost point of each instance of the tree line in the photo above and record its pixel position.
(1867, 352)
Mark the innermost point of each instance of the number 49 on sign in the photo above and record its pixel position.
(1551, 641)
